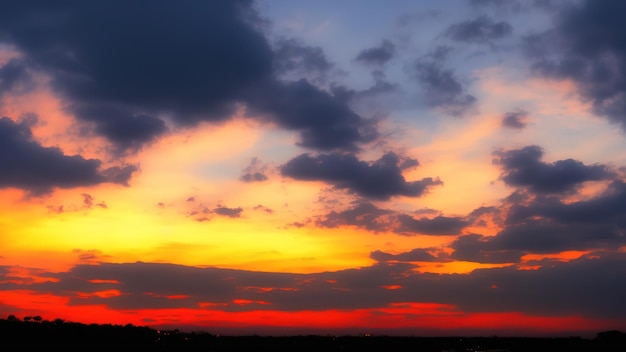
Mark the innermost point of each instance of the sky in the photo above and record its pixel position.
(423, 168)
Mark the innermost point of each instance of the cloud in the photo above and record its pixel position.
(548, 225)
(324, 122)
(557, 288)
(201, 72)
(481, 30)
(295, 58)
(362, 214)
(38, 170)
(478, 248)
(515, 6)
(524, 168)
(441, 88)
(126, 130)
(439, 225)
(606, 208)
(254, 172)
(515, 119)
(375, 100)
(15, 78)
(496, 3)
(368, 216)
(377, 55)
(414, 255)
(229, 212)
(87, 200)
(587, 46)
(381, 179)
(253, 177)
(181, 63)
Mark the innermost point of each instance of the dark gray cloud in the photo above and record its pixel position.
(368, 216)
(548, 236)
(294, 57)
(439, 225)
(547, 224)
(127, 65)
(607, 208)
(552, 289)
(381, 179)
(414, 255)
(478, 248)
(380, 87)
(588, 46)
(375, 100)
(481, 30)
(591, 286)
(441, 87)
(524, 168)
(186, 62)
(324, 122)
(515, 119)
(362, 214)
(378, 55)
(127, 131)
(230, 212)
(27, 165)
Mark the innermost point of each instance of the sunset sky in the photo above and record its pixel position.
(290, 166)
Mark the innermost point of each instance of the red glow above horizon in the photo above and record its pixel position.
(405, 318)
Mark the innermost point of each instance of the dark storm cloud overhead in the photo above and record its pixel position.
(190, 61)
(524, 168)
(186, 58)
(27, 165)
(587, 45)
(377, 55)
(591, 286)
(441, 87)
(515, 119)
(480, 30)
(381, 179)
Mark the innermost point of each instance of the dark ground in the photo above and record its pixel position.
(37, 334)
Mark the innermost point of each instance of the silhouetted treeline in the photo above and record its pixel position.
(35, 333)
